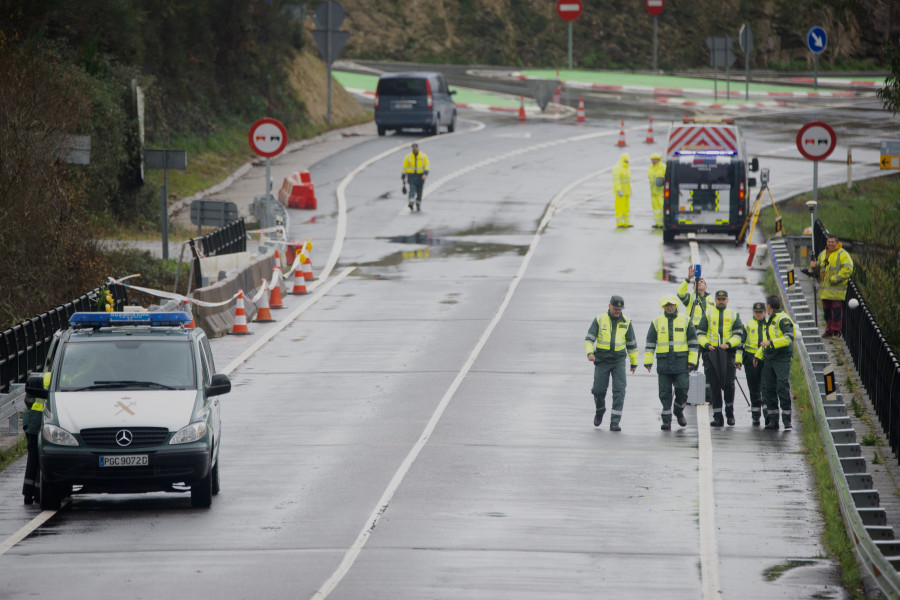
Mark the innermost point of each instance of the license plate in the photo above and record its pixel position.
(402, 105)
(124, 460)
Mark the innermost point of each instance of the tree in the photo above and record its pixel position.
(890, 93)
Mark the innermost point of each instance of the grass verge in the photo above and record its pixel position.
(12, 453)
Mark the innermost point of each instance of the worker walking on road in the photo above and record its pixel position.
(415, 171)
(754, 333)
(672, 338)
(656, 172)
(720, 332)
(609, 338)
(775, 353)
(621, 174)
(834, 267)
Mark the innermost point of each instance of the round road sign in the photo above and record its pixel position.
(816, 140)
(655, 7)
(568, 10)
(268, 137)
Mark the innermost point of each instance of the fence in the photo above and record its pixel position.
(23, 347)
(228, 239)
(875, 361)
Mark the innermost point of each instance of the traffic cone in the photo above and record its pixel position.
(275, 300)
(649, 139)
(240, 317)
(306, 265)
(621, 141)
(521, 109)
(579, 116)
(191, 325)
(263, 314)
(299, 279)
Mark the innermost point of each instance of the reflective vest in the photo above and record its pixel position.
(697, 307)
(608, 341)
(415, 163)
(719, 328)
(755, 334)
(780, 340)
(655, 172)
(670, 341)
(834, 273)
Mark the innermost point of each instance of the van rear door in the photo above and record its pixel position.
(705, 190)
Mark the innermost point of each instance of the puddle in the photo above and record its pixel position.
(443, 247)
(773, 573)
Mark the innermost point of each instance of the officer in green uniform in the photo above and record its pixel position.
(720, 332)
(608, 340)
(32, 421)
(775, 353)
(672, 338)
(753, 335)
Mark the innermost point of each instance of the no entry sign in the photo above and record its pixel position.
(268, 137)
(655, 7)
(568, 10)
(816, 140)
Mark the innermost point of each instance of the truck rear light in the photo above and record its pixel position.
(430, 99)
(742, 192)
(376, 100)
(666, 189)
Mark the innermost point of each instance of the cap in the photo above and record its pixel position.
(668, 300)
(617, 302)
(758, 306)
(721, 294)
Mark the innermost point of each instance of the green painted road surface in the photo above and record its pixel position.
(463, 96)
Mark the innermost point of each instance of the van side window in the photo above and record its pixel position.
(442, 86)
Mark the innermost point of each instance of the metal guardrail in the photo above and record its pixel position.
(10, 406)
(876, 550)
(23, 347)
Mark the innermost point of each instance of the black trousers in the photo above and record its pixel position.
(32, 485)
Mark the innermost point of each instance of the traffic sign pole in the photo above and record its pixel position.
(655, 19)
(570, 45)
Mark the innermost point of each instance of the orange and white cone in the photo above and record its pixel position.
(521, 109)
(579, 116)
(299, 279)
(649, 139)
(621, 141)
(263, 314)
(240, 316)
(191, 325)
(306, 265)
(275, 300)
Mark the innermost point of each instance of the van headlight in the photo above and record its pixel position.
(58, 435)
(191, 433)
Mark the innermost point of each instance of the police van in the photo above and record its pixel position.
(706, 187)
(131, 405)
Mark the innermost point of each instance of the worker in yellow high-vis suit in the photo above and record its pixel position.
(621, 174)
(656, 172)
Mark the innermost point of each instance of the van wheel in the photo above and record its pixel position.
(668, 236)
(381, 130)
(51, 495)
(201, 491)
(215, 479)
(452, 126)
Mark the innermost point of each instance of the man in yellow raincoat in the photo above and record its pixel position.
(621, 174)
(834, 267)
(657, 175)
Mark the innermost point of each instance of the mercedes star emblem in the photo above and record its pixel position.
(124, 437)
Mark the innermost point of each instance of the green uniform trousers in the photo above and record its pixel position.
(776, 387)
(754, 383)
(680, 383)
(602, 374)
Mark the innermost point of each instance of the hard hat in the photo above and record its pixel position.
(668, 300)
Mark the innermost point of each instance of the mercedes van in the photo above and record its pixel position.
(419, 100)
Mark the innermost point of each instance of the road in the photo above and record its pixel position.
(423, 430)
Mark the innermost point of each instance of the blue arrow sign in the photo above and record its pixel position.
(816, 39)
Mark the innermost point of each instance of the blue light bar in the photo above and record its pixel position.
(107, 319)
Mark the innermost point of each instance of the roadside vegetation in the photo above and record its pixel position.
(867, 214)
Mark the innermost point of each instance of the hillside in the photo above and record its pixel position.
(618, 33)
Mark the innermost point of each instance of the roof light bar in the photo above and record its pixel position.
(706, 153)
(106, 319)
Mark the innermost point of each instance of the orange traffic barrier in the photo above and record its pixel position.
(521, 109)
(263, 314)
(649, 139)
(579, 116)
(298, 191)
(621, 141)
(240, 316)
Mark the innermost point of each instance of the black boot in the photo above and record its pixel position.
(717, 421)
(598, 417)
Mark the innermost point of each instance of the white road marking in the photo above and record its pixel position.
(709, 547)
(25, 531)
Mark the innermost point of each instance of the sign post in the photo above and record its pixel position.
(268, 138)
(569, 10)
(328, 19)
(719, 53)
(746, 41)
(816, 141)
(816, 40)
(655, 8)
(165, 160)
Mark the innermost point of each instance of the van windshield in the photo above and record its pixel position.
(125, 364)
(403, 87)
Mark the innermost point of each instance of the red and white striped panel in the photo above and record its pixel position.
(707, 137)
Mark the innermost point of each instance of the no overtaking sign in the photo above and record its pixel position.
(268, 137)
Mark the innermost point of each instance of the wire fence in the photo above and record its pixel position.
(227, 239)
